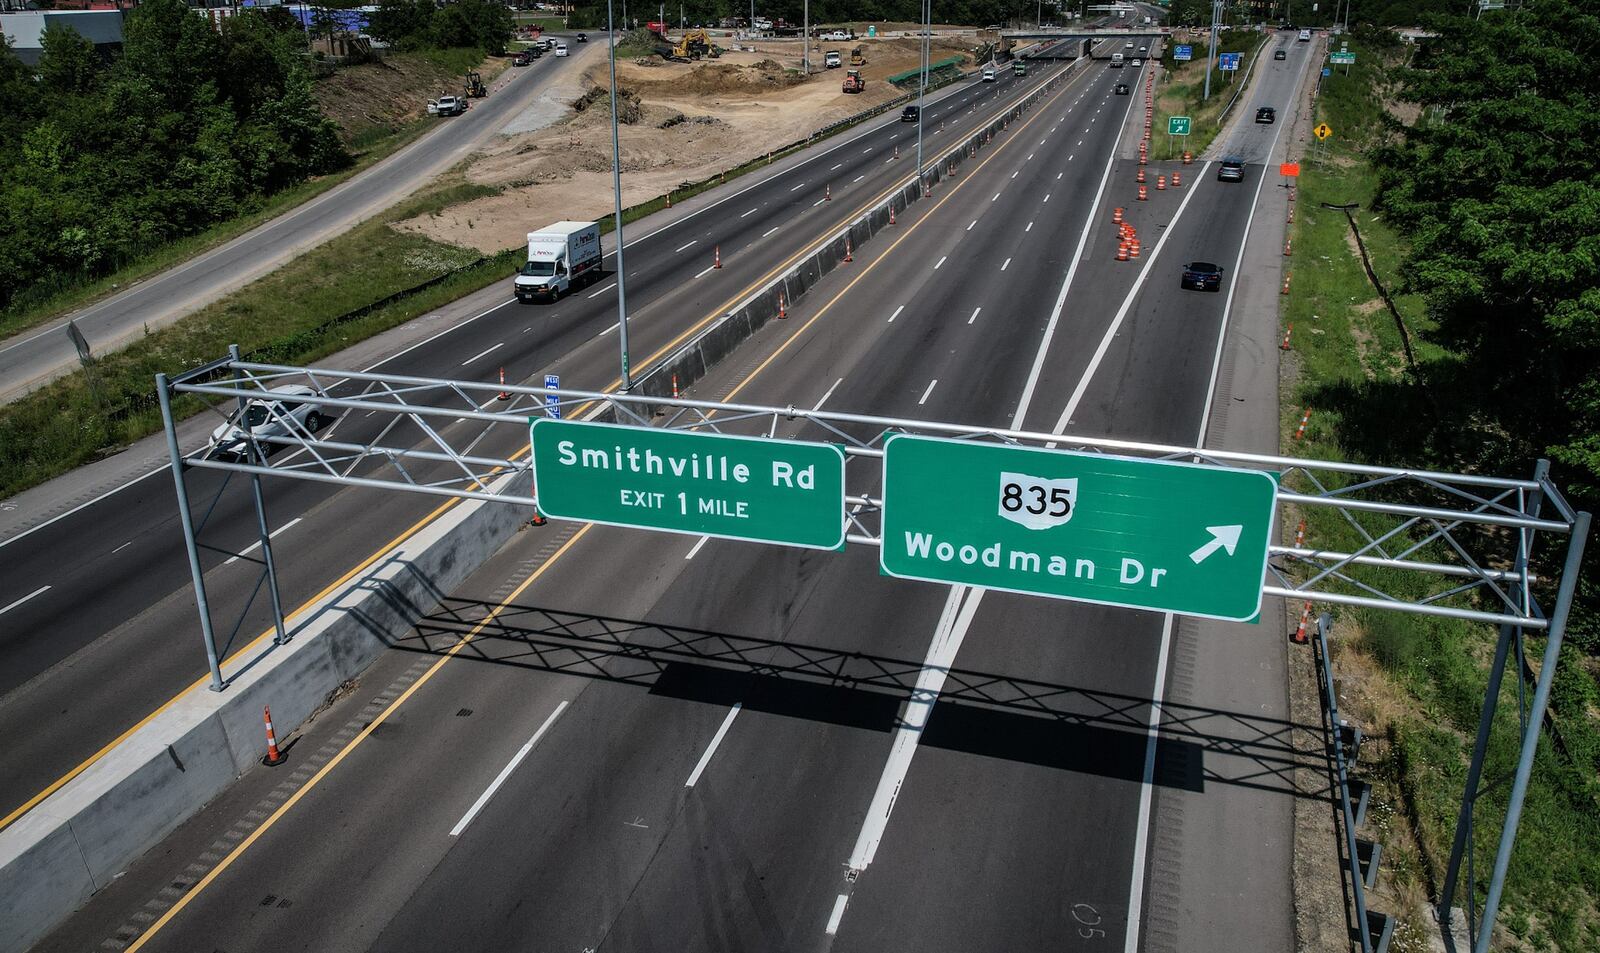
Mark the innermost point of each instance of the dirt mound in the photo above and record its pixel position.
(723, 78)
(375, 98)
(598, 102)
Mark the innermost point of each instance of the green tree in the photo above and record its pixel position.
(68, 64)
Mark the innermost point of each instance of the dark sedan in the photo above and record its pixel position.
(1231, 170)
(1266, 115)
(1202, 276)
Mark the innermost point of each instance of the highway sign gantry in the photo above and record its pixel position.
(705, 484)
(1177, 125)
(1148, 534)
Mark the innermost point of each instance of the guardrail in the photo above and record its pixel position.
(1374, 930)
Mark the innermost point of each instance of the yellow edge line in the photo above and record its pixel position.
(417, 527)
(333, 762)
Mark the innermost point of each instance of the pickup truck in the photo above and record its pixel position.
(447, 106)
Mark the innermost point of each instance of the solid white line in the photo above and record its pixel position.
(1141, 834)
(707, 270)
(682, 247)
(770, 230)
(896, 313)
(602, 291)
(1066, 283)
(696, 547)
(716, 739)
(749, 213)
(483, 354)
(837, 914)
(505, 772)
(1005, 264)
(825, 396)
(974, 314)
(941, 261)
(257, 544)
(24, 599)
(925, 393)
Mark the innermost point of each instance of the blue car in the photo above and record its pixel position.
(1202, 276)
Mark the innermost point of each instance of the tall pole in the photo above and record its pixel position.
(922, 85)
(616, 192)
(186, 520)
(805, 33)
(1211, 56)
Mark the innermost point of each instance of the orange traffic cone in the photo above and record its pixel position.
(782, 312)
(1161, 183)
(1177, 180)
(1116, 215)
(274, 756)
(1300, 637)
(717, 262)
(848, 255)
(1144, 192)
(1122, 250)
(504, 394)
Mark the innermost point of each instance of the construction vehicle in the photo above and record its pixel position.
(858, 56)
(694, 45)
(853, 83)
(475, 87)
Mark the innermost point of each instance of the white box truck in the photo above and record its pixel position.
(561, 257)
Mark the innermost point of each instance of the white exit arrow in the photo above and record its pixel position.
(1222, 537)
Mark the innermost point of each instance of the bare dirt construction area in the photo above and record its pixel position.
(379, 97)
(681, 122)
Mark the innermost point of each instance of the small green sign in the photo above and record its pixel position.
(705, 484)
(1150, 534)
(1342, 59)
(1177, 125)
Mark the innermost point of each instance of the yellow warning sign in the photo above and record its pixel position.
(1323, 131)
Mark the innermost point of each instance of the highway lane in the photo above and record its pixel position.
(35, 357)
(138, 632)
(554, 876)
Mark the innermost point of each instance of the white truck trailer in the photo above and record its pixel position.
(561, 257)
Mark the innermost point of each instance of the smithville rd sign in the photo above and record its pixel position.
(1149, 534)
(775, 491)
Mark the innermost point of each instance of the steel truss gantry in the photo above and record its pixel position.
(1464, 544)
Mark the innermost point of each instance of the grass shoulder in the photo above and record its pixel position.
(1415, 683)
(1181, 92)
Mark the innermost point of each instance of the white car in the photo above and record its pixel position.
(447, 106)
(988, 74)
(266, 418)
(1136, 63)
(561, 49)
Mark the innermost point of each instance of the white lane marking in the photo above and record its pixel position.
(770, 230)
(1041, 141)
(1127, 305)
(505, 772)
(857, 179)
(925, 393)
(483, 354)
(941, 261)
(608, 330)
(1029, 228)
(692, 551)
(818, 202)
(257, 544)
(866, 151)
(603, 290)
(122, 547)
(1046, 198)
(1029, 158)
(829, 393)
(798, 187)
(1059, 175)
(837, 914)
(896, 313)
(837, 167)
(1066, 283)
(749, 213)
(996, 195)
(974, 222)
(1141, 834)
(1005, 264)
(682, 247)
(1014, 174)
(707, 270)
(716, 739)
(974, 314)
(1080, 142)
(24, 599)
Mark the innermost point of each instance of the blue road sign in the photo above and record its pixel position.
(1326, 71)
(1183, 53)
(1228, 61)
(552, 403)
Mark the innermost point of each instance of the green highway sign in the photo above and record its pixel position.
(1177, 125)
(1150, 534)
(1342, 59)
(705, 484)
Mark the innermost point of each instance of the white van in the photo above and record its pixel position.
(1305, 36)
(988, 74)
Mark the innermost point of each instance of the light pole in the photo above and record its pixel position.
(805, 35)
(616, 191)
(922, 85)
(1211, 55)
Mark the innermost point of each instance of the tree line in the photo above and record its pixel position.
(711, 12)
(186, 127)
(421, 24)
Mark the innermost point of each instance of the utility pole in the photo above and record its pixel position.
(1211, 55)
(616, 191)
(805, 33)
(922, 84)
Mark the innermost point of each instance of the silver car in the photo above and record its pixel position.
(265, 418)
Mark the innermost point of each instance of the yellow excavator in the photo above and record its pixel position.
(475, 87)
(693, 45)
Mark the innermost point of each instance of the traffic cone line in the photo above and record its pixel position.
(1291, 215)
(1286, 278)
(1300, 630)
(1300, 431)
(1287, 247)
(1288, 332)
(274, 756)
(504, 394)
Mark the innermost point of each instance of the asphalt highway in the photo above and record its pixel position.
(40, 355)
(118, 610)
(610, 739)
